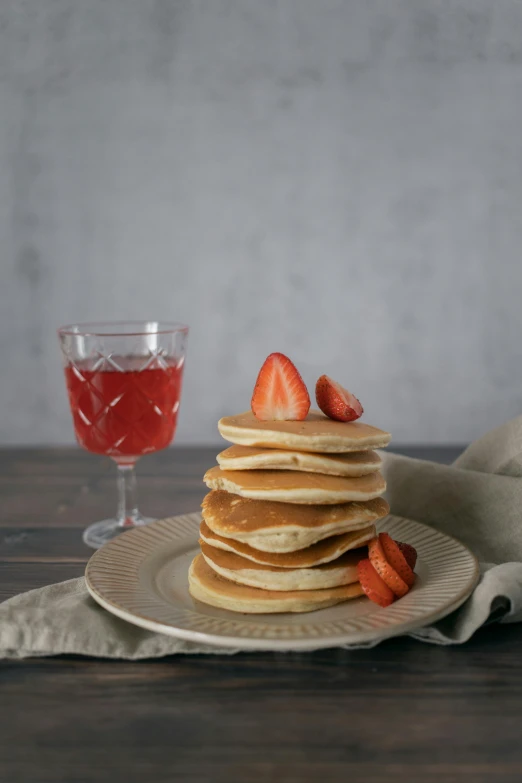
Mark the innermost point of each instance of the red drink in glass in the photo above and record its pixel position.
(124, 386)
(125, 412)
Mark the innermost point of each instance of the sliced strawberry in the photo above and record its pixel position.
(375, 588)
(336, 402)
(409, 552)
(396, 559)
(384, 569)
(280, 393)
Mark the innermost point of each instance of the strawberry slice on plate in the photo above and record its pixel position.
(375, 588)
(388, 574)
(396, 559)
(335, 401)
(409, 552)
(280, 393)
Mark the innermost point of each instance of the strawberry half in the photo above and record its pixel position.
(280, 393)
(375, 588)
(409, 552)
(396, 559)
(335, 402)
(384, 569)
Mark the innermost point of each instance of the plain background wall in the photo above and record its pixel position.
(339, 180)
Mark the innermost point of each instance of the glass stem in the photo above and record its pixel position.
(128, 513)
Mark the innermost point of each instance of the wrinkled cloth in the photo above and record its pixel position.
(478, 500)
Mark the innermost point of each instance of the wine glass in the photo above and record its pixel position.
(124, 386)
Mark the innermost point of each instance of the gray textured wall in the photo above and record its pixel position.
(341, 181)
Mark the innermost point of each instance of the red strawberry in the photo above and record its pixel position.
(280, 393)
(384, 569)
(336, 402)
(396, 559)
(375, 588)
(409, 552)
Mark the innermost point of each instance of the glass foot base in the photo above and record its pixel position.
(100, 533)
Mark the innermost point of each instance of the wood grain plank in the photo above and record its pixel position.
(74, 461)
(401, 711)
(56, 508)
(19, 577)
(43, 545)
(70, 488)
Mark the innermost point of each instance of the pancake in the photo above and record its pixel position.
(356, 463)
(316, 433)
(290, 486)
(342, 571)
(209, 587)
(285, 527)
(323, 552)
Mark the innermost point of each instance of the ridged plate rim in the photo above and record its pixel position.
(114, 580)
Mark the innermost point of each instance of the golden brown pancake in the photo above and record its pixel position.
(316, 433)
(285, 527)
(323, 552)
(356, 463)
(291, 486)
(342, 571)
(209, 587)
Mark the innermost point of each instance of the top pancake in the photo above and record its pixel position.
(356, 463)
(316, 433)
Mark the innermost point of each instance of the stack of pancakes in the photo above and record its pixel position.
(291, 503)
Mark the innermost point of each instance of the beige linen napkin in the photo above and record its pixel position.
(478, 499)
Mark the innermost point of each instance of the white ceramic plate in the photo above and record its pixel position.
(141, 576)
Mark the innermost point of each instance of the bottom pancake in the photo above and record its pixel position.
(209, 587)
(342, 571)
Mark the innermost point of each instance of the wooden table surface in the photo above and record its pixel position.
(404, 711)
